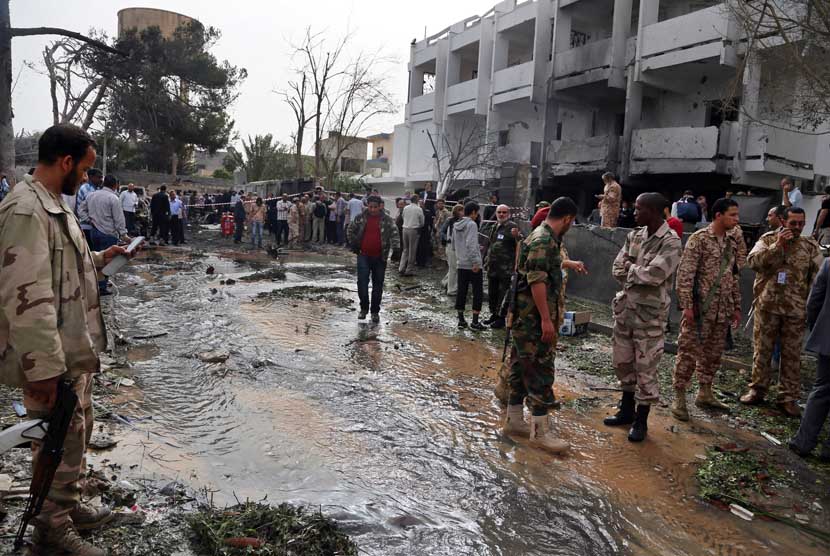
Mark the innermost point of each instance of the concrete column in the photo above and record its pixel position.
(441, 80)
(542, 51)
(649, 12)
(620, 28)
(749, 111)
(561, 30)
(500, 51)
(485, 65)
(633, 113)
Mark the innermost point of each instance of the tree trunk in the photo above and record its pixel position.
(7, 155)
(299, 153)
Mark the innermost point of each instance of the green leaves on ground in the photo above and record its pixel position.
(267, 531)
(729, 476)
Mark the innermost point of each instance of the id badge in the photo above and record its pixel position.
(500, 237)
(782, 278)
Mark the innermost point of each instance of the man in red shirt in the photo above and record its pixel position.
(372, 236)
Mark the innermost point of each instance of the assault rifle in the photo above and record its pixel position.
(511, 304)
(50, 455)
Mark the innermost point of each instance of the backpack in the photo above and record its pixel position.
(688, 211)
(320, 210)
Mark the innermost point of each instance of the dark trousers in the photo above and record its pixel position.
(129, 220)
(341, 230)
(88, 236)
(161, 222)
(374, 268)
(331, 231)
(497, 288)
(102, 242)
(177, 229)
(465, 278)
(815, 414)
(282, 231)
(240, 228)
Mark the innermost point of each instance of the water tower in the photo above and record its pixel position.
(143, 18)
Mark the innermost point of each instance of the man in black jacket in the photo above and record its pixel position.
(160, 211)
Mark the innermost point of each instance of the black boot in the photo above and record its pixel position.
(476, 325)
(640, 428)
(462, 322)
(625, 412)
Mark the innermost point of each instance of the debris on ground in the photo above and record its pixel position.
(330, 295)
(270, 275)
(214, 356)
(735, 475)
(253, 528)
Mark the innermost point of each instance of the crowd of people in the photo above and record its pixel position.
(52, 328)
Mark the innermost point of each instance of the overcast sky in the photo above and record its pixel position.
(255, 35)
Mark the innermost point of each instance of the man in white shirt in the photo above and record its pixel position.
(353, 209)
(283, 210)
(176, 223)
(129, 200)
(413, 221)
(792, 195)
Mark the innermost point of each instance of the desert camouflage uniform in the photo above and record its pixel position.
(441, 216)
(780, 309)
(532, 361)
(499, 263)
(700, 346)
(51, 323)
(610, 208)
(645, 266)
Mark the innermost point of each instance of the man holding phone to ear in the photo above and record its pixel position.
(786, 264)
(51, 327)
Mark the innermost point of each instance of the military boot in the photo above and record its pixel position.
(706, 398)
(678, 408)
(541, 437)
(62, 540)
(625, 412)
(640, 429)
(514, 422)
(86, 517)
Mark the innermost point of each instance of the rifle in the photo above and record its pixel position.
(49, 457)
(701, 307)
(511, 305)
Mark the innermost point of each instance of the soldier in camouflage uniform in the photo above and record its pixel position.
(786, 264)
(499, 263)
(709, 293)
(644, 266)
(610, 201)
(51, 327)
(538, 306)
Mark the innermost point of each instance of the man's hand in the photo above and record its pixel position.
(476, 269)
(689, 315)
(548, 331)
(114, 251)
(736, 318)
(44, 391)
(784, 237)
(515, 232)
(577, 266)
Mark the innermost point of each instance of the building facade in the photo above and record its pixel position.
(569, 89)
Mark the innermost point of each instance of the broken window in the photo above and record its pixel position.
(719, 111)
(504, 138)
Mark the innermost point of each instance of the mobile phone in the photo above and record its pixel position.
(117, 263)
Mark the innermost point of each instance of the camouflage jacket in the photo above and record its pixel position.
(701, 264)
(51, 322)
(610, 205)
(501, 250)
(540, 260)
(796, 266)
(645, 266)
(389, 240)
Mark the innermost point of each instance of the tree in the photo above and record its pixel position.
(171, 94)
(359, 97)
(222, 174)
(77, 91)
(465, 152)
(790, 39)
(296, 96)
(263, 158)
(7, 32)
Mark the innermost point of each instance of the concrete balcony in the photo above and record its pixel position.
(421, 108)
(462, 97)
(779, 151)
(590, 155)
(693, 37)
(674, 150)
(513, 83)
(582, 65)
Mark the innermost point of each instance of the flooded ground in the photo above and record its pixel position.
(392, 429)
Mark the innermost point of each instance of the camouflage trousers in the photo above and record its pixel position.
(532, 371)
(702, 353)
(638, 347)
(65, 492)
(768, 328)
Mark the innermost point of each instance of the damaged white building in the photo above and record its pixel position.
(571, 88)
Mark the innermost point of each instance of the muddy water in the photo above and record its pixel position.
(390, 428)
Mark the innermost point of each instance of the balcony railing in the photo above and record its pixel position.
(674, 150)
(513, 78)
(772, 149)
(462, 92)
(584, 155)
(703, 31)
(585, 58)
(422, 104)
